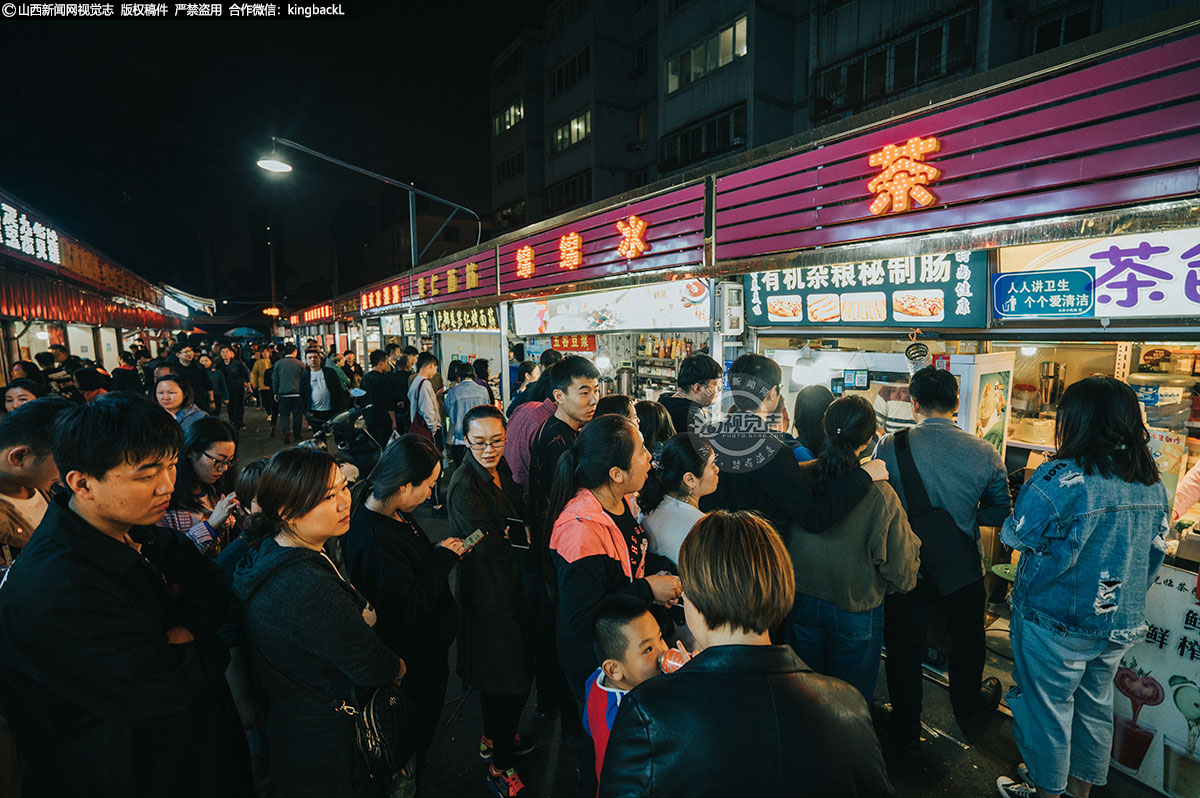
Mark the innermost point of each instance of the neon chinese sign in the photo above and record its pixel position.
(384, 296)
(570, 251)
(904, 175)
(633, 242)
(525, 262)
(318, 313)
(30, 237)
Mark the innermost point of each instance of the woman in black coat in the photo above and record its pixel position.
(495, 653)
(307, 628)
(406, 576)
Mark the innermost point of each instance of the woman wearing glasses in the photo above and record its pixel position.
(406, 576)
(495, 644)
(204, 506)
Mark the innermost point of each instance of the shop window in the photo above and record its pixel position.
(1067, 24)
(921, 56)
(509, 117)
(574, 190)
(510, 167)
(570, 72)
(716, 51)
(567, 135)
(716, 135)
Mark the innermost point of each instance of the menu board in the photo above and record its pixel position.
(678, 305)
(1156, 705)
(947, 290)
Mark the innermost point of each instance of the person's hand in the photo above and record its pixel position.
(178, 635)
(400, 676)
(453, 544)
(223, 509)
(877, 469)
(666, 588)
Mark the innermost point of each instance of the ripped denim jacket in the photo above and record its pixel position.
(1090, 546)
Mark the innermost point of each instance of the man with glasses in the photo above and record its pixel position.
(696, 388)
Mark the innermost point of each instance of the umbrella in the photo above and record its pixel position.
(244, 332)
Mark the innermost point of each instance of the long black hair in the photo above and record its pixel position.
(294, 482)
(604, 443)
(408, 460)
(655, 424)
(809, 410)
(1100, 427)
(849, 423)
(683, 454)
(203, 433)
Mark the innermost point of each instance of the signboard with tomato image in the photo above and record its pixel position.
(1156, 705)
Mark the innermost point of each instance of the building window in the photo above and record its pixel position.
(510, 216)
(567, 135)
(639, 126)
(708, 138)
(575, 190)
(510, 167)
(509, 117)
(708, 56)
(506, 68)
(637, 179)
(570, 72)
(924, 55)
(1067, 24)
(641, 60)
(562, 14)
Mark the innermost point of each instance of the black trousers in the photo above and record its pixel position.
(501, 715)
(237, 408)
(906, 618)
(425, 684)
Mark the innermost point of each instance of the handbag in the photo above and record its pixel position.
(949, 557)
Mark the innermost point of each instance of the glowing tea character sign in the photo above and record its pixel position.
(904, 176)
(570, 251)
(525, 262)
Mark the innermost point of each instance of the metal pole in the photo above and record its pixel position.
(412, 226)
(271, 256)
(506, 386)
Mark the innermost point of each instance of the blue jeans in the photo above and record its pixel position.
(837, 642)
(1062, 704)
(289, 407)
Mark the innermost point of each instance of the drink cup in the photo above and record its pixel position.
(1181, 770)
(1131, 741)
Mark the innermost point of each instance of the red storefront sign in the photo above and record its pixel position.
(573, 343)
(26, 297)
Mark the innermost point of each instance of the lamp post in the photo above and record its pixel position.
(272, 163)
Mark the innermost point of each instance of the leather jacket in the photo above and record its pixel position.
(744, 720)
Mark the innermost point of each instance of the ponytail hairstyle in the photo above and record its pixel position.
(683, 454)
(849, 423)
(294, 482)
(408, 460)
(604, 442)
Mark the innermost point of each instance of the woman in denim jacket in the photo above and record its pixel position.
(1089, 525)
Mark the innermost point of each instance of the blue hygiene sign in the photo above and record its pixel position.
(1061, 293)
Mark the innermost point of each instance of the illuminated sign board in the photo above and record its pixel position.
(467, 319)
(676, 305)
(904, 176)
(385, 296)
(319, 313)
(465, 278)
(29, 236)
(173, 305)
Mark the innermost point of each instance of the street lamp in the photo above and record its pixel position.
(272, 163)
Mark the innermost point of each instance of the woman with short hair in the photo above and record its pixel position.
(718, 725)
(309, 631)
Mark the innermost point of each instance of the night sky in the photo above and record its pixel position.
(141, 137)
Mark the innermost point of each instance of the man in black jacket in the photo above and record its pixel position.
(379, 399)
(697, 386)
(237, 380)
(759, 471)
(112, 674)
(183, 361)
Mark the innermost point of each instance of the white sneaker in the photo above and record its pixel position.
(1014, 789)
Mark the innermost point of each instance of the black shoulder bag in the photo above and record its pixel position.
(949, 557)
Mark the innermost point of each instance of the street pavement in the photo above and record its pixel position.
(949, 766)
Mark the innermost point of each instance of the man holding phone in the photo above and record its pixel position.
(495, 644)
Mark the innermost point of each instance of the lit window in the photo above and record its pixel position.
(716, 51)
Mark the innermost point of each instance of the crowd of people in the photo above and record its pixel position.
(172, 624)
